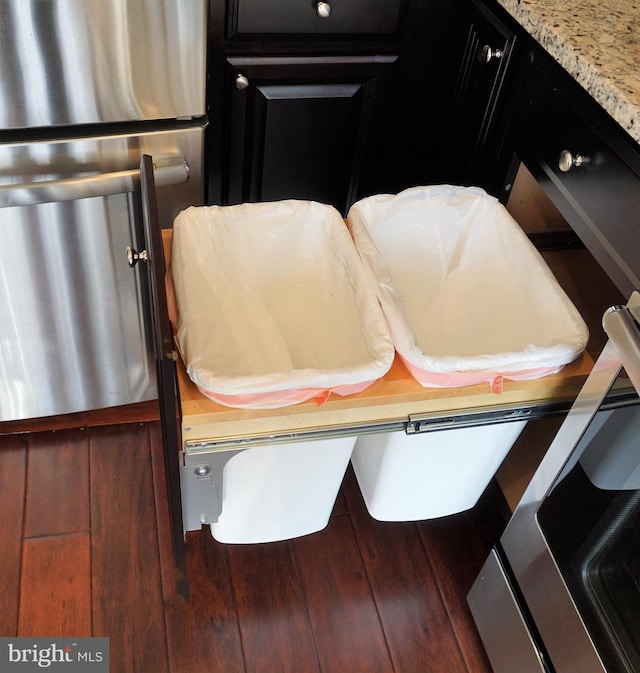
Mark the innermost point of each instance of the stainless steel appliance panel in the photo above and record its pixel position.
(500, 621)
(526, 549)
(526, 546)
(73, 334)
(67, 62)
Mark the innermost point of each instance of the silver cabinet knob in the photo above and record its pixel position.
(242, 82)
(486, 54)
(133, 256)
(568, 160)
(323, 9)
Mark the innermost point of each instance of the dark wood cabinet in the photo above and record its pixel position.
(519, 112)
(302, 127)
(585, 163)
(298, 97)
(314, 17)
(331, 108)
(481, 46)
(513, 104)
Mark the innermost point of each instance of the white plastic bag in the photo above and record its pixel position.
(274, 305)
(467, 296)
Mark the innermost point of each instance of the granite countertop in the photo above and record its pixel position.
(597, 43)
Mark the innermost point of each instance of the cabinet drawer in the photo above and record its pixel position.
(290, 17)
(597, 190)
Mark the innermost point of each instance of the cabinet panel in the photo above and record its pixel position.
(300, 127)
(593, 186)
(381, 17)
(486, 46)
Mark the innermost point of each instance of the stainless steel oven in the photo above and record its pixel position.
(561, 591)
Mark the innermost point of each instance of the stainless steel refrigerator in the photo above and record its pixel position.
(86, 88)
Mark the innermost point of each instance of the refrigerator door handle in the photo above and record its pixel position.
(170, 171)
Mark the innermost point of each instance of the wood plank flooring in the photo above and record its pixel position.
(86, 550)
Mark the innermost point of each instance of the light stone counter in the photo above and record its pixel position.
(597, 43)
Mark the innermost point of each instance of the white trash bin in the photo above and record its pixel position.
(432, 474)
(467, 297)
(273, 306)
(468, 300)
(281, 491)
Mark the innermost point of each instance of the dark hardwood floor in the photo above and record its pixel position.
(86, 550)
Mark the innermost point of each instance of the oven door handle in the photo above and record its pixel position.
(621, 323)
(171, 171)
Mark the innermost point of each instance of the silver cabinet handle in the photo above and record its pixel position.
(167, 172)
(486, 54)
(242, 82)
(323, 9)
(133, 256)
(568, 160)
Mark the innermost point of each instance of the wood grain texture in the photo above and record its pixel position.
(57, 484)
(272, 612)
(346, 625)
(198, 597)
(390, 399)
(55, 588)
(127, 588)
(456, 546)
(411, 608)
(130, 413)
(357, 596)
(13, 462)
(203, 628)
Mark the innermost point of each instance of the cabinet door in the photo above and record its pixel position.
(485, 45)
(303, 127)
(165, 355)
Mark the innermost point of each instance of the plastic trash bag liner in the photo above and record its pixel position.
(274, 305)
(467, 296)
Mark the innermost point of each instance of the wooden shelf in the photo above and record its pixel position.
(391, 399)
